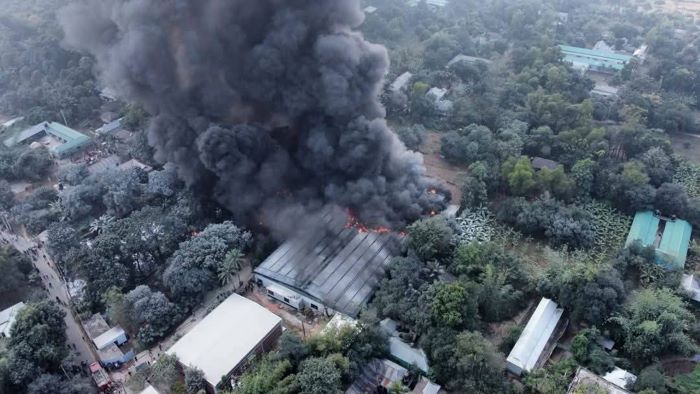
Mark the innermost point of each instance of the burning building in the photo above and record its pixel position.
(332, 270)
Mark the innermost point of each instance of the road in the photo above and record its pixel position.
(51, 280)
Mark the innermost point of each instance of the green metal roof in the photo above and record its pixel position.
(672, 249)
(643, 229)
(594, 54)
(594, 59)
(73, 139)
(674, 243)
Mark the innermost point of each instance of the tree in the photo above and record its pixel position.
(291, 348)
(553, 379)
(430, 238)
(33, 164)
(519, 175)
(73, 174)
(7, 196)
(61, 239)
(672, 199)
(14, 267)
(588, 293)
(655, 323)
(268, 377)
(556, 182)
(412, 136)
(193, 267)
(165, 372)
(588, 352)
(449, 306)
(319, 376)
(37, 342)
(123, 190)
(582, 174)
(651, 378)
(55, 384)
(403, 293)
(467, 363)
(657, 165)
(152, 312)
(194, 380)
(230, 267)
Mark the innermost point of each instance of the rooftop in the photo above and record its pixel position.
(377, 372)
(692, 286)
(534, 338)
(8, 317)
(70, 138)
(586, 379)
(540, 163)
(400, 81)
(670, 237)
(95, 325)
(107, 338)
(340, 267)
(110, 127)
(225, 337)
(468, 59)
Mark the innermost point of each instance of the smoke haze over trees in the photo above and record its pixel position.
(270, 105)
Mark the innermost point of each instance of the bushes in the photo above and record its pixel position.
(559, 223)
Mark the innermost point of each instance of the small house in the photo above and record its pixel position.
(107, 341)
(670, 237)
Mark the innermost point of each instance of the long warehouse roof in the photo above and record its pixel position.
(340, 267)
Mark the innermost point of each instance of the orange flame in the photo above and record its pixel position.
(353, 222)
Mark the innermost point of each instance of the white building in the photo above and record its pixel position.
(8, 317)
(227, 338)
(691, 286)
(532, 344)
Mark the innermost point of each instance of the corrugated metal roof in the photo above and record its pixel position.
(340, 268)
(671, 245)
(644, 228)
(594, 54)
(534, 337)
(674, 243)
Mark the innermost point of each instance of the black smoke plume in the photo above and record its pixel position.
(271, 106)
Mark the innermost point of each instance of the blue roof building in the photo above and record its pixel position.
(669, 237)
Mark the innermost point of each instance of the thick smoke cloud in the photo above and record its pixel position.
(270, 105)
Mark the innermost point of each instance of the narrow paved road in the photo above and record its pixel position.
(51, 280)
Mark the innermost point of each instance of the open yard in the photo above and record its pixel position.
(682, 7)
(687, 145)
(439, 169)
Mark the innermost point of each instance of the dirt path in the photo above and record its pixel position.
(79, 345)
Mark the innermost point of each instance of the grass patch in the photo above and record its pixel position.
(686, 383)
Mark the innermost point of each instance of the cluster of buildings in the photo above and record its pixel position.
(670, 238)
(109, 343)
(61, 141)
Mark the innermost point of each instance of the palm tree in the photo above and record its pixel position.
(99, 224)
(230, 266)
